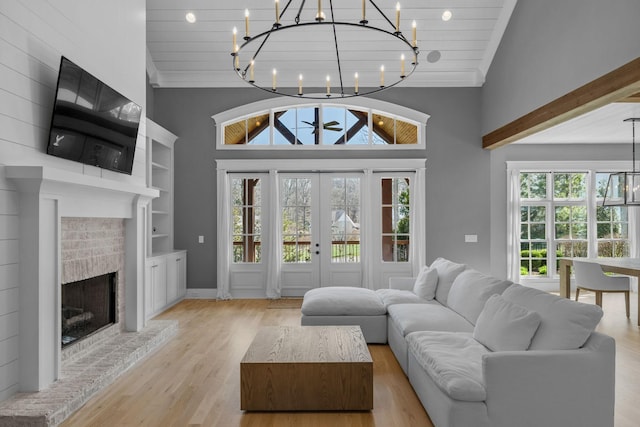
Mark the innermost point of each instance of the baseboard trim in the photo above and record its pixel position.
(201, 293)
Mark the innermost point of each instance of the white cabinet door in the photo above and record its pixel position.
(182, 274)
(148, 291)
(159, 283)
(176, 276)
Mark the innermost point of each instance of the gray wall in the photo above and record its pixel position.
(552, 47)
(458, 170)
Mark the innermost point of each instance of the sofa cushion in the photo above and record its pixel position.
(397, 296)
(447, 272)
(565, 324)
(426, 283)
(342, 301)
(429, 316)
(470, 290)
(453, 360)
(504, 325)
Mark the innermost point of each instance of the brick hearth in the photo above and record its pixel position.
(89, 247)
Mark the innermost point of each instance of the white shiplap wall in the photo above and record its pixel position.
(107, 38)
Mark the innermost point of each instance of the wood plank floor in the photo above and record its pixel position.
(194, 379)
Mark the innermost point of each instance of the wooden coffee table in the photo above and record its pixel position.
(307, 368)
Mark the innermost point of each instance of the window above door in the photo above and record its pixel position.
(278, 123)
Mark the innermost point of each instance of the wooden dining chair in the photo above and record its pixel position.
(590, 277)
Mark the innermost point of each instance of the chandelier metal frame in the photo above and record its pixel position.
(246, 72)
(623, 188)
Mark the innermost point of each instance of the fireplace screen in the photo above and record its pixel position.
(87, 306)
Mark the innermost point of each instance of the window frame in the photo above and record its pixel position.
(365, 105)
(592, 168)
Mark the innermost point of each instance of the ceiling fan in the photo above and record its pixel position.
(331, 126)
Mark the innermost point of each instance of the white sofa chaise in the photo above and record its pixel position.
(482, 352)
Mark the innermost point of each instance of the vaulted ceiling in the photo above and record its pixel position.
(457, 52)
(453, 53)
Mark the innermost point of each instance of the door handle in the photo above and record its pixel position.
(317, 252)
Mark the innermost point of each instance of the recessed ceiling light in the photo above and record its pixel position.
(190, 17)
(446, 15)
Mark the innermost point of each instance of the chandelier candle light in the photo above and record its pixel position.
(623, 188)
(352, 44)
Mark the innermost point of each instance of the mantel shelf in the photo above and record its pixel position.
(61, 182)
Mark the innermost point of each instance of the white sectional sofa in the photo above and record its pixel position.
(484, 352)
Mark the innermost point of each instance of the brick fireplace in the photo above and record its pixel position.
(92, 278)
(72, 227)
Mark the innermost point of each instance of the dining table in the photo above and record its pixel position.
(626, 266)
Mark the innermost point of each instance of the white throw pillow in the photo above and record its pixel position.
(505, 326)
(565, 325)
(426, 283)
(471, 290)
(447, 273)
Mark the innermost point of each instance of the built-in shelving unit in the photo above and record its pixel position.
(160, 155)
(166, 267)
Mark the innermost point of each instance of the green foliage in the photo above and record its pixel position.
(403, 209)
(524, 271)
(542, 270)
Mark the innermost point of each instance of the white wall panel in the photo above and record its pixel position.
(105, 38)
(9, 227)
(9, 276)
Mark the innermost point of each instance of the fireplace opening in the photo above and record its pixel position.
(87, 306)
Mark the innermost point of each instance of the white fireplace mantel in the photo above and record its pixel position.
(91, 196)
(46, 195)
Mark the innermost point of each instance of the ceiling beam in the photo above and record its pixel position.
(620, 83)
(635, 98)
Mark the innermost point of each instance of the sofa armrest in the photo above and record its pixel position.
(402, 283)
(552, 388)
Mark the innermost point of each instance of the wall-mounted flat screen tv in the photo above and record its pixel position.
(91, 122)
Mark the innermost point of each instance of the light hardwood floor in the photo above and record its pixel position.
(194, 379)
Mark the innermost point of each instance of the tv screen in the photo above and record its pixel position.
(91, 122)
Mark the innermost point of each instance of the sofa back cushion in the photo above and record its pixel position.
(471, 290)
(505, 326)
(565, 324)
(426, 283)
(447, 273)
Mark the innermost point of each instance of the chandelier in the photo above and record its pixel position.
(623, 188)
(343, 58)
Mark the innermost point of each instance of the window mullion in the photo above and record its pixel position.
(592, 228)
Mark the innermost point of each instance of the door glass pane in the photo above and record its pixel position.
(395, 219)
(296, 220)
(345, 220)
(246, 219)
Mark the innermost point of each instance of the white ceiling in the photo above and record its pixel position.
(182, 55)
(604, 125)
(198, 55)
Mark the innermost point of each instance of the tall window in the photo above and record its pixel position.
(612, 224)
(395, 219)
(296, 220)
(345, 220)
(247, 226)
(561, 215)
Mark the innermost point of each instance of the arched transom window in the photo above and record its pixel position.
(279, 123)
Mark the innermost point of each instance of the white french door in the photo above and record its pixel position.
(321, 231)
(285, 226)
